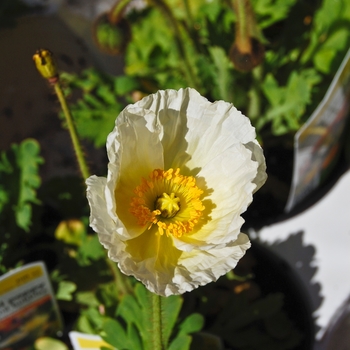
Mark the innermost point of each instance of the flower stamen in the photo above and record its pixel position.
(169, 200)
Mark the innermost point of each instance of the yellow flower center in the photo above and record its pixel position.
(169, 200)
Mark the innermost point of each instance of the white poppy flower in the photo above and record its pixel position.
(181, 172)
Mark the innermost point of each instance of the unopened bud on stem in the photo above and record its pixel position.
(46, 65)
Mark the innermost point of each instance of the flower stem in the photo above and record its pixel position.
(157, 322)
(72, 131)
(46, 66)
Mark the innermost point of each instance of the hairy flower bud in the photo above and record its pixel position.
(46, 65)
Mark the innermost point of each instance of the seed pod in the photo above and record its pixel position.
(246, 60)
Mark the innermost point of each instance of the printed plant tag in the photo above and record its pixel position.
(317, 143)
(28, 308)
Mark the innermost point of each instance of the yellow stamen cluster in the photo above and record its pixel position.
(169, 200)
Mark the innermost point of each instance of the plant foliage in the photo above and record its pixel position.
(189, 45)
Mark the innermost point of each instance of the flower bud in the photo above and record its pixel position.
(70, 231)
(46, 65)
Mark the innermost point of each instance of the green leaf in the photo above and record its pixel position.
(135, 338)
(272, 91)
(326, 54)
(65, 290)
(19, 180)
(131, 311)
(137, 312)
(96, 123)
(329, 12)
(90, 250)
(152, 53)
(23, 216)
(181, 342)
(28, 160)
(107, 295)
(288, 103)
(124, 84)
(271, 11)
(87, 298)
(5, 164)
(90, 321)
(114, 334)
(331, 17)
(192, 323)
(143, 297)
(4, 198)
(84, 325)
(95, 112)
(222, 76)
(171, 307)
(210, 10)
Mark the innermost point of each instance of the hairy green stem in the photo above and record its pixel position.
(72, 131)
(157, 322)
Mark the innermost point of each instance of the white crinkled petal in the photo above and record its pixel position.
(198, 267)
(218, 128)
(229, 185)
(170, 106)
(193, 269)
(135, 128)
(196, 126)
(100, 220)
